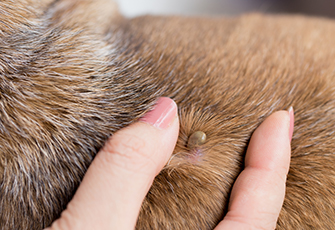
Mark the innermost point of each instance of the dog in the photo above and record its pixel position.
(74, 72)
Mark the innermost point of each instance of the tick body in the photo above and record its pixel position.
(196, 139)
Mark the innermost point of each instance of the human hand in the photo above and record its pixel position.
(258, 193)
(118, 179)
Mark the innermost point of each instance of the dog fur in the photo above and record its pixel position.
(74, 72)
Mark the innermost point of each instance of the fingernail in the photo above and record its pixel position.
(163, 113)
(291, 114)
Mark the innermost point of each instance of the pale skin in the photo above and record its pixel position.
(120, 176)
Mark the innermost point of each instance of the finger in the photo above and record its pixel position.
(112, 191)
(258, 193)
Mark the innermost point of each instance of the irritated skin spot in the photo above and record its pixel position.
(195, 156)
(196, 139)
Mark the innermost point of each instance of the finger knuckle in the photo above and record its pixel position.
(125, 145)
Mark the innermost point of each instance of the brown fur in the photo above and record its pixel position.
(67, 82)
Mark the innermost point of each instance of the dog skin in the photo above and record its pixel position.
(74, 72)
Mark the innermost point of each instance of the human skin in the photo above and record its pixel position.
(112, 191)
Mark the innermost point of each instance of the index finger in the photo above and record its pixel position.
(258, 193)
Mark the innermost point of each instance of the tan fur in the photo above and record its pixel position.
(67, 82)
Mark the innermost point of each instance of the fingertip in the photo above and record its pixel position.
(163, 113)
(269, 146)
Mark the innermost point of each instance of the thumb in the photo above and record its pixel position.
(112, 191)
